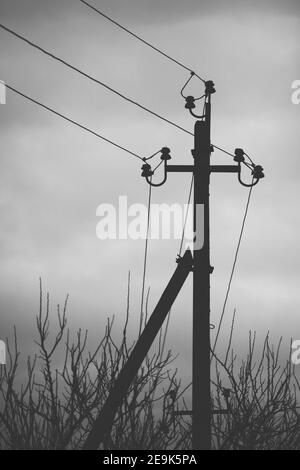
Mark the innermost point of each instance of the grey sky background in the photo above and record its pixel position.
(53, 175)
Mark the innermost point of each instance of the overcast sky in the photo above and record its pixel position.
(53, 175)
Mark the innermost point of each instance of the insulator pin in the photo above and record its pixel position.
(257, 172)
(190, 102)
(165, 153)
(146, 170)
(209, 87)
(239, 155)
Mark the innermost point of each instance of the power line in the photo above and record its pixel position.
(73, 122)
(233, 269)
(93, 79)
(186, 215)
(250, 166)
(224, 151)
(142, 40)
(145, 258)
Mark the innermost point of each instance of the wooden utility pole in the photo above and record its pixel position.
(200, 265)
(201, 403)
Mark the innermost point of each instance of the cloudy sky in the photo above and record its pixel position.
(54, 175)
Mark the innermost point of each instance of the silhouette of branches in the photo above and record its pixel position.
(261, 396)
(53, 402)
(66, 385)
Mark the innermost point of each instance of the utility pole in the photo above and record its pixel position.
(201, 402)
(199, 264)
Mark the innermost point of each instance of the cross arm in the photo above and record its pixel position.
(212, 168)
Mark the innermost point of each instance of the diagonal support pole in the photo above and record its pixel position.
(104, 422)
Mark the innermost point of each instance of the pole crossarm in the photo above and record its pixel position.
(224, 168)
(212, 168)
(180, 168)
(239, 158)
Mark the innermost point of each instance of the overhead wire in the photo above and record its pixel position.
(153, 155)
(139, 38)
(108, 87)
(121, 148)
(158, 165)
(111, 89)
(93, 79)
(249, 158)
(232, 270)
(222, 150)
(70, 120)
(186, 215)
(145, 258)
(66, 118)
(232, 155)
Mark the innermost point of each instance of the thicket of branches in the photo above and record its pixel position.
(262, 398)
(54, 407)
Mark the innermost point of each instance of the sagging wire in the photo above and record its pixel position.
(186, 217)
(185, 85)
(249, 157)
(232, 272)
(157, 166)
(139, 38)
(257, 173)
(90, 77)
(72, 121)
(222, 150)
(151, 156)
(145, 259)
(211, 325)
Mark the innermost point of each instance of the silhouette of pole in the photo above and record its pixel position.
(200, 265)
(201, 403)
